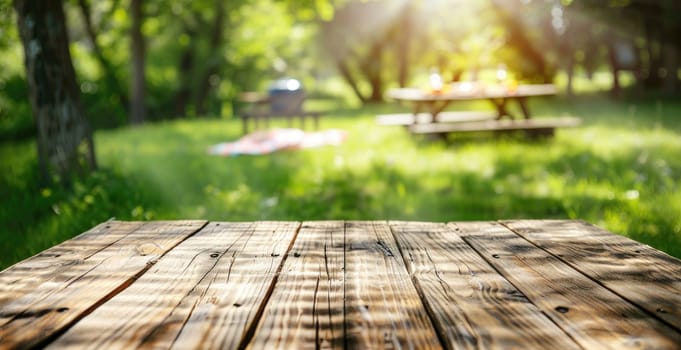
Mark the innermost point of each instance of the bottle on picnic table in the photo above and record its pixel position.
(435, 80)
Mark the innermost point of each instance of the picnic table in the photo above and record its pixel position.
(428, 106)
(264, 107)
(547, 284)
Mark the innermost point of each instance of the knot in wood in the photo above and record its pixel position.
(562, 309)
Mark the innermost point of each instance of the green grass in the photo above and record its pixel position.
(621, 171)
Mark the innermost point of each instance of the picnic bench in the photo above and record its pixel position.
(519, 284)
(428, 106)
(532, 127)
(287, 105)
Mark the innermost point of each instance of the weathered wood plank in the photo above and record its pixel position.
(137, 312)
(471, 304)
(495, 125)
(643, 275)
(382, 307)
(85, 284)
(404, 119)
(205, 293)
(591, 314)
(471, 93)
(305, 309)
(25, 276)
(239, 291)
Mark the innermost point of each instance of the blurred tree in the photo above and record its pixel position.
(569, 36)
(358, 40)
(518, 37)
(467, 44)
(16, 120)
(267, 40)
(137, 76)
(65, 145)
(214, 63)
(653, 26)
(201, 62)
(108, 69)
(404, 42)
(184, 71)
(6, 19)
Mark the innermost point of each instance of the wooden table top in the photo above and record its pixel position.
(463, 91)
(343, 284)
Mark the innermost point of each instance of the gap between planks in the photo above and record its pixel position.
(250, 332)
(194, 293)
(653, 269)
(75, 298)
(477, 245)
(591, 314)
(470, 303)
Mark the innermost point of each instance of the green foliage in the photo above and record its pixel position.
(8, 31)
(16, 119)
(620, 171)
(263, 39)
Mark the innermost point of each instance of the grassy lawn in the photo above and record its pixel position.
(621, 171)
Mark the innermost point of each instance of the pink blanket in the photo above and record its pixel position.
(264, 142)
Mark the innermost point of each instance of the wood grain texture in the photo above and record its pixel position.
(203, 294)
(382, 307)
(592, 315)
(335, 284)
(472, 305)
(305, 310)
(643, 275)
(82, 286)
(27, 275)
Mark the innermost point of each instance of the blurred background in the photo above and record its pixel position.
(159, 83)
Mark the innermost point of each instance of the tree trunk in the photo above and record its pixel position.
(570, 72)
(344, 70)
(591, 57)
(215, 60)
(137, 88)
(403, 45)
(654, 61)
(614, 68)
(185, 69)
(371, 68)
(64, 140)
(376, 80)
(517, 37)
(671, 63)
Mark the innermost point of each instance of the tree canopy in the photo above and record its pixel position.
(193, 58)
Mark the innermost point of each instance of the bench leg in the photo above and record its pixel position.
(244, 124)
(500, 105)
(523, 107)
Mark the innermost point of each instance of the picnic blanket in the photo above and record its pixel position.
(264, 142)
